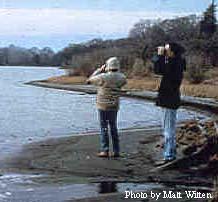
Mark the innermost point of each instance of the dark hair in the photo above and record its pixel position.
(177, 49)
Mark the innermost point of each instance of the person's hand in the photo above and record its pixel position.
(102, 68)
(160, 50)
(88, 82)
(169, 53)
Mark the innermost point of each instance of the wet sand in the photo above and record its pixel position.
(75, 157)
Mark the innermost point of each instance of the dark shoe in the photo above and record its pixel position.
(115, 155)
(103, 154)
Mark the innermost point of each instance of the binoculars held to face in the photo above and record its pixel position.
(165, 50)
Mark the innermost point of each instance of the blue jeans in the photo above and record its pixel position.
(108, 118)
(169, 132)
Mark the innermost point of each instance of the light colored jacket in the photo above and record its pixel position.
(109, 84)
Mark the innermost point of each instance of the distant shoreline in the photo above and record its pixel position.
(199, 103)
(29, 66)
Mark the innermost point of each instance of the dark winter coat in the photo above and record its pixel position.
(171, 70)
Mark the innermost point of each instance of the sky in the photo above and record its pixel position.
(56, 23)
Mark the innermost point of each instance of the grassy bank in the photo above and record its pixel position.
(151, 83)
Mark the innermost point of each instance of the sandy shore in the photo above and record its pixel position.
(76, 157)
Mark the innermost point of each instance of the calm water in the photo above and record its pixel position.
(29, 113)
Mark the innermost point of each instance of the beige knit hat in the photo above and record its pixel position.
(112, 64)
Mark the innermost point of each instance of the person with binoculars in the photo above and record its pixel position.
(169, 63)
(109, 81)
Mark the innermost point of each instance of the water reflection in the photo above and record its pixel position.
(107, 187)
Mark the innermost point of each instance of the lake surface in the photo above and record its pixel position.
(29, 113)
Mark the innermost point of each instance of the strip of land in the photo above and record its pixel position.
(209, 104)
(208, 89)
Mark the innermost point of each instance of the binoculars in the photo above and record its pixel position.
(162, 50)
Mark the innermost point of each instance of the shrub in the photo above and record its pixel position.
(140, 69)
(85, 69)
(195, 74)
(70, 72)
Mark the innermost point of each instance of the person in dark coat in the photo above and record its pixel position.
(170, 64)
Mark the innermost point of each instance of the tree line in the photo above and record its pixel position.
(198, 35)
(17, 56)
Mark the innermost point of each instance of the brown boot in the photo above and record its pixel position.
(103, 154)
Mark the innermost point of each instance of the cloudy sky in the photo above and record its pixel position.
(56, 23)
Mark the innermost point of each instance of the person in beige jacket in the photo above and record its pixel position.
(109, 81)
